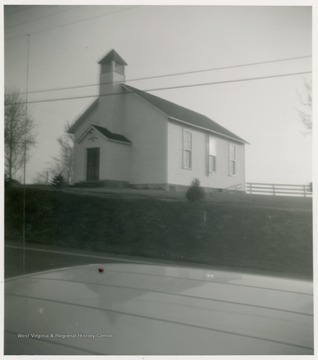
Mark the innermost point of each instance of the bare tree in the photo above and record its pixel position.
(64, 162)
(42, 177)
(18, 133)
(305, 112)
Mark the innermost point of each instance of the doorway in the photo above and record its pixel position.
(93, 164)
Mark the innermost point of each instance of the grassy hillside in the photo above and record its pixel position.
(238, 233)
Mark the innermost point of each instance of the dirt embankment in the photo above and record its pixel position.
(232, 230)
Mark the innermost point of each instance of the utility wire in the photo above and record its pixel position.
(40, 18)
(75, 22)
(180, 86)
(52, 111)
(175, 74)
(232, 81)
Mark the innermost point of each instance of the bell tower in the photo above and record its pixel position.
(111, 94)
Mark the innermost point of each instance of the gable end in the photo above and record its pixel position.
(83, 117)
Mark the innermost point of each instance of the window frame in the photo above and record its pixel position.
(119, 68)
(106, 68)
(212, 155)
(187, 150)
(232, 160)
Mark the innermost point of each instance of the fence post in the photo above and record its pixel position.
(274, 192)
(305, 191)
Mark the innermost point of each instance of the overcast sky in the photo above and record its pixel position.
(66, 42)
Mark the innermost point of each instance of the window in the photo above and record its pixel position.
(119, 68)
(212, 155)
(106, 68)
(187, 149)
(232, 160)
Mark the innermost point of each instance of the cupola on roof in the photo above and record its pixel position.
(112, 55)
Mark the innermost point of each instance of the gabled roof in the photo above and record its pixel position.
(112, 55)
(83, 117)
(173, 111)
(176, 112)
(110, 135)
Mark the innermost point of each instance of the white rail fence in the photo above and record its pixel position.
(279, 189)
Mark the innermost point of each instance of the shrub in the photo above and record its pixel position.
(195, 191)
(58, 181)
(11, 182)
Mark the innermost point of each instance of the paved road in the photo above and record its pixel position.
(37, 259)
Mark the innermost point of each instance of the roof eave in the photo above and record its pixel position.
(126, 87)
(208, 130)
(126, 141)
(82, 117)
(237, 139)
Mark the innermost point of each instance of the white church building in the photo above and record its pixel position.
(128, 137)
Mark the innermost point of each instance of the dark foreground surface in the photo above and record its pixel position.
(41, 258)
(230, 276)
(36, 258)
(268, 234)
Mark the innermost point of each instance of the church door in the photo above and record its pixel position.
(93, 164)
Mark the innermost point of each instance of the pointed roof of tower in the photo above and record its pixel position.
(112, 55)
